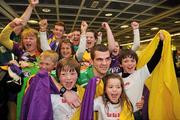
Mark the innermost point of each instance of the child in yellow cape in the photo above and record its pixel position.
(164, 93)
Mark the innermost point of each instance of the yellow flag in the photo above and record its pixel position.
(76, 115)
(126, 114)
(163, 86)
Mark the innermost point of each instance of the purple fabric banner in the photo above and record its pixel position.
(37, 102)
(88, 101)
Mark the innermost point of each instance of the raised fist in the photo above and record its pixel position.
(135, 25)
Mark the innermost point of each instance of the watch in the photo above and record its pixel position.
(62, 91)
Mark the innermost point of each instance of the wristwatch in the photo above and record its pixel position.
(62, 91)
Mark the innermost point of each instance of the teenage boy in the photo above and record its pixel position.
(134, 79)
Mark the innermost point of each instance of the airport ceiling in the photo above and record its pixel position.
(164, 14)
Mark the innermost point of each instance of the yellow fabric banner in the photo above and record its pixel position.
(125, 113)
(163, 86)
(76, 115)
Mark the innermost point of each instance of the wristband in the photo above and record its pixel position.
(62, 91)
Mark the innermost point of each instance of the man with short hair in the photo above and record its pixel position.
(100, 58)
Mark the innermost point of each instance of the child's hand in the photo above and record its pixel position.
(161, 35)
(134, 25)
(140, 103)
(72, 99)
(43, 25)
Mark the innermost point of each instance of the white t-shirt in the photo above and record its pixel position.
(61, 110)
(112, 113)
(134, 85)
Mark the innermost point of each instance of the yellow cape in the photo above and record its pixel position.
(164, 93)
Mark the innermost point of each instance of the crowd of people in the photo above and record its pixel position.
(75, 77)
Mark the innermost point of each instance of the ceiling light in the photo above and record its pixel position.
(127, 37)
(46, 10)
(154, 28)
(108, 14)
(33, 22)
(124, 26)
(177, 22)
(176, 34)
(94, 4)
(147, 34)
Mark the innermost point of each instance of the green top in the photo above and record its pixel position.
(85, 76)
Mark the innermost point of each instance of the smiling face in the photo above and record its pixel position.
(47, 63)
(128, 64)
(67, 71)
(48, 60)
(58, 31)
(66, 50)
(90, 40)
(68, 77)
(113, 89)
(116, 50)
(128, 59)
(76, 39)
(101, 63)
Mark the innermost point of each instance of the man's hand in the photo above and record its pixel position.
(135, 25)
(72, 99)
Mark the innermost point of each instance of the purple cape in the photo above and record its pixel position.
(37, 100)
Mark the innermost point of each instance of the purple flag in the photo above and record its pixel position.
(88, 101)
(37, 101)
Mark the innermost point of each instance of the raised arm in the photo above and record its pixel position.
(5, 34)
(110, 37)
(43, 35)
(99, 40)
(27, 14)
(157, 54)
(136, 41)
(82, 44)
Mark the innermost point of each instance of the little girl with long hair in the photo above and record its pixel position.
(114, 103)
